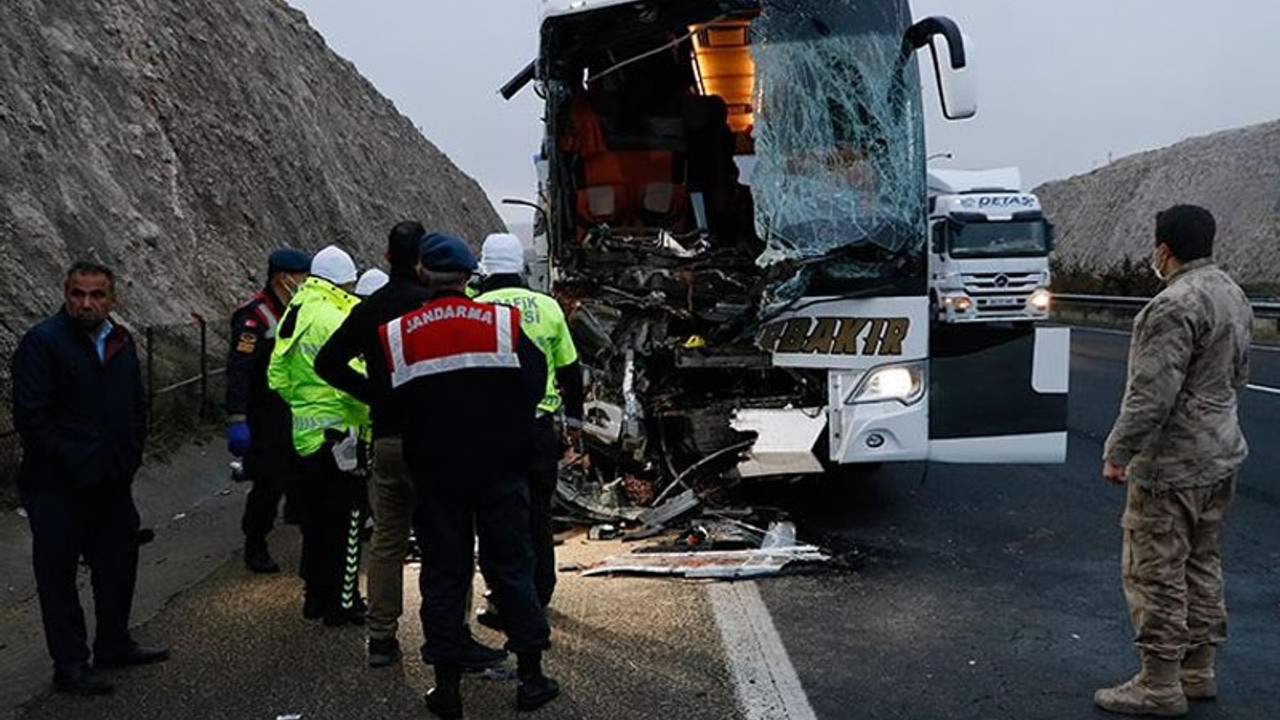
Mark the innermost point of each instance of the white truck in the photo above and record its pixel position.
(737, 226)
(989, 248)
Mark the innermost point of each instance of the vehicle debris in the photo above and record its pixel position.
(716, 548)
(712, 564)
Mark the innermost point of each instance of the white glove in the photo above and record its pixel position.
(347, 453)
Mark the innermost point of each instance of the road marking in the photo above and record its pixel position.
(1264, 389)
(764, 681)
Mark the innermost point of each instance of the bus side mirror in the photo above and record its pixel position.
(952, 64)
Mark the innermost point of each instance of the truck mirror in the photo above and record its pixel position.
(937, 235)
(1049, 233)
(952, 64)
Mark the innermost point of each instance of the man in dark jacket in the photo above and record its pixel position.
(259, 429)
(390, 491)
(467, 382)
(80, 409)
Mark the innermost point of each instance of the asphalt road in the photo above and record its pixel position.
(994, 592)
(960, 592)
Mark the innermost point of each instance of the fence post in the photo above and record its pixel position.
(204, 362)
(151, 376)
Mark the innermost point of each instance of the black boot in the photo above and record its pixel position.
(257, 558)
(80, 679)
(535, 689)
(445, 699)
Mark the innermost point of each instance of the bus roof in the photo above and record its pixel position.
(557, 8)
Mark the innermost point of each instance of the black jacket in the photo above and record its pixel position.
(473, 424)
(82, 420)
(358, 337)
(252, 337)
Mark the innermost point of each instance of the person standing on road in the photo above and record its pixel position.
(463, 372)
(542, 320)
(80, 410)
(1177, 444)
(390, 488)
(329, 434)
(258, 425)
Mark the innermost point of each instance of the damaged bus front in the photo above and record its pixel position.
(735, 209)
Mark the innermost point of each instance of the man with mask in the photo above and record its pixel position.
(329, 434)
(258, 425)
(80, 409)
(1177, 445)
(541, 318)
(390, 491)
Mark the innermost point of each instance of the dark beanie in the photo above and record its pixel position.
(404, 244)
(1188, 230)
(289, 260)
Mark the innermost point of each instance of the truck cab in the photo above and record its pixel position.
(989, 248)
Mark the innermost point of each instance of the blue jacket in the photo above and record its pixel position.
(82, 420)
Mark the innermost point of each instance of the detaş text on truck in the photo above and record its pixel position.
(735, 209)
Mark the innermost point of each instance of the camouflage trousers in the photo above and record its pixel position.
(1172, 569)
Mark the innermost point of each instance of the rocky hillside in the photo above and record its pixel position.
(1109, 213)
(180, 140)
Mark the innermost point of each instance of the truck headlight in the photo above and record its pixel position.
(904, 383)
(960, 303)
(1039, 300)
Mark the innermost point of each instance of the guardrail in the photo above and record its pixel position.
(1261, 308)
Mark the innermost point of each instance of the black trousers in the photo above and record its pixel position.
(544, 473)
(332, 502)
(454, 507)
(273, 472)
(101, 524)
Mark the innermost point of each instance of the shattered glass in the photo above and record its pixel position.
(839, 136)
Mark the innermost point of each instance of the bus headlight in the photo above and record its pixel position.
(904, 383)
(1039, 301)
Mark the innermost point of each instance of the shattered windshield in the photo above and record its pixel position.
(838, 132)
(999, 239)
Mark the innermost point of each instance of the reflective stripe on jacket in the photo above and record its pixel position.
(315, 312)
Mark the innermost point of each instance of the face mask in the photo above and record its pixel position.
(290, 286)
(1155, 268)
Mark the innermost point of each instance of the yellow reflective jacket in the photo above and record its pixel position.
(313, 314)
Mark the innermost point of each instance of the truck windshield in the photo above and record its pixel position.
(999, 239)
(839, 139)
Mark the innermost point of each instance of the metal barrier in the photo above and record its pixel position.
(1261, 308)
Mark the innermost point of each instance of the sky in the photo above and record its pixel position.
(1064, 86)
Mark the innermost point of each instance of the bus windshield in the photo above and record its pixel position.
(839, 140)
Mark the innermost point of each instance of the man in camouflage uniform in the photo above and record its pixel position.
(1177, 444)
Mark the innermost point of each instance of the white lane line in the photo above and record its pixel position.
(764, 681)
(1264, 389)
